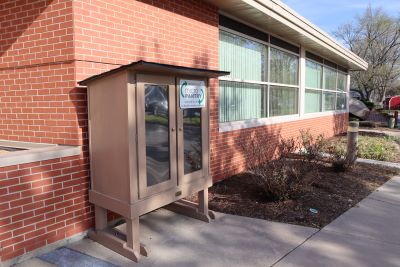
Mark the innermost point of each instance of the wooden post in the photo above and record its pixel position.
(352, 139)
(100, 215)
(132, 233)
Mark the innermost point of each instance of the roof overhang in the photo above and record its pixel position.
(158, 68)
(277, 18)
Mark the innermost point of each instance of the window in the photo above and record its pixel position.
(241, 97)
(329, 78)
(283, 100)
(325, 86)
(241, 101)
(264, 77)
(341, 102)
(329, 101)
(284, 67)
(246, 93)
(341, 82)
(244, 58)
(313, 74)
(312, 101)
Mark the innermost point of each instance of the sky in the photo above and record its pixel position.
(330, 14)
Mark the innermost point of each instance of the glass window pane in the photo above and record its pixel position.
(157, 133)
(283, 100)
(312, 101)
(329, 101)
(313, 74)
(192, 139)
(330, 78)
(341, 86)
(284, 67)
(241, 101)
(341, 102)
(244, 58)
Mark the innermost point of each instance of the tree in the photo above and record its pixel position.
(375, 37)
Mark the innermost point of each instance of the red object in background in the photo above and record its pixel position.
(392, 102)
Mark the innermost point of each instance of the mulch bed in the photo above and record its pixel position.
(331, 193)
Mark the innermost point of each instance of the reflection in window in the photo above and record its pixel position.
(157, 134)
(284, 67)
(341, 82)
(192, 140)
(283, 100)
(329, 100)
(341, 103)
(330, 78)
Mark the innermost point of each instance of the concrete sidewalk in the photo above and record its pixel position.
(366, 235)
(175, 240)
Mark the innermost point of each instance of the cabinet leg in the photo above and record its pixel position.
(198, 211)
(100, 215)
(203, 203)
(104, 234)
(132, 233)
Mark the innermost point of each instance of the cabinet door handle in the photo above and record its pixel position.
(180, 129)
(172, 129)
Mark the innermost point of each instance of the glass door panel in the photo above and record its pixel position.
(156, 124)
(157, 133)
(192, 143)
(192, 140)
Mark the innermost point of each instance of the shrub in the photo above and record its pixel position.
(284, 177)
(338, 159)
(287, 147)
(312, 147)
(281, 179)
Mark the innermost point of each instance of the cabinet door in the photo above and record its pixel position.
(156, 134)
(192, 143)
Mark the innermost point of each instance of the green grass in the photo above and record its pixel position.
(192, 120)
(384, 148)
(156, 119)
(163, 120)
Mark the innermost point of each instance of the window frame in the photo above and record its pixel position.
(322, 90)
(301, 115)
(267, 83)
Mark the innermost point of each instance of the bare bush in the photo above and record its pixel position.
(312, 147)
(339, 160)
(288, 147)
(280, 179)
(284, 177)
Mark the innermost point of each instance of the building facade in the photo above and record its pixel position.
(285, 75)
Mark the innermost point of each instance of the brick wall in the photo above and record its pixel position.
(39, 102)
(228, 156)
(118, 32)
(42, 202)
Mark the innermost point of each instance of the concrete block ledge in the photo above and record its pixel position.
(35, 152)
(381, 163)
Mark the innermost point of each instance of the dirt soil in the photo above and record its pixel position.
(331, 193)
